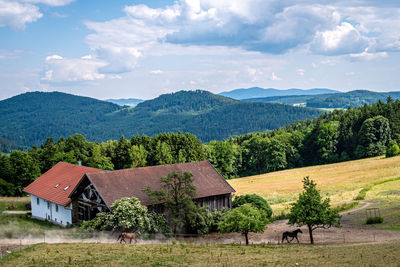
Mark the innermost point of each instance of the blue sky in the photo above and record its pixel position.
(141, 49)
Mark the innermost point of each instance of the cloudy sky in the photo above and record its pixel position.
(141, 49)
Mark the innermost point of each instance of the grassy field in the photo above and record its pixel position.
(18, 225)
(205, 255)
(13, 203)
(342, 182)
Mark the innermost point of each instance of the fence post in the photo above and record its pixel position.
(20, 245)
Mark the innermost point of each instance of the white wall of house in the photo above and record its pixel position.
(46, 210)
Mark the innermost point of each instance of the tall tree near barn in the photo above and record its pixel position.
(312, 210)
(176, 194)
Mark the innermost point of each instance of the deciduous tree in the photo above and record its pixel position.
(311, 210)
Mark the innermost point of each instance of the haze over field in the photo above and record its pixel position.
(142, 49)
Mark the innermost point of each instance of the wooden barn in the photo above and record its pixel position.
(81, 192)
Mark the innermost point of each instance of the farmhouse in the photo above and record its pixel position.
(50, 192)
(91, 190)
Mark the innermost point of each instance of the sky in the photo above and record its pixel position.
(141, 49)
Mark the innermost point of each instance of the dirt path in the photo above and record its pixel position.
(366, 204)
(349, 232)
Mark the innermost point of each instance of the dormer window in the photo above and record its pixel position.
(57, 185)
(66, 187)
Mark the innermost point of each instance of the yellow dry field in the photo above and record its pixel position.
(340, 181)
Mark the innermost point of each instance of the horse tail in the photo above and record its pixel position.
(120, 236)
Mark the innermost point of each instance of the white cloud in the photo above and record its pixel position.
(16, 14)
(366, 56)
(351, 73)
(344, 39)
(274, 77)
(59, 69)
(237, 27)
(156, 72)
(301, 72)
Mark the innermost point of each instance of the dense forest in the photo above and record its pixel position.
(355, 98)
(341, 135)
(29, 118)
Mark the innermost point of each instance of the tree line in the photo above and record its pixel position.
(341, 135)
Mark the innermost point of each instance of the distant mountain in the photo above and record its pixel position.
(270, 92)
(131, 102)
(338, 100)
(30, 118)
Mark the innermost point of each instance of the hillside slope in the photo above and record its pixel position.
(341, 181)
(30, 118)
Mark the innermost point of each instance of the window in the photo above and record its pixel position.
(57, 185)
(48, 205)
(37, 200)
(56, 208)
(66, 187)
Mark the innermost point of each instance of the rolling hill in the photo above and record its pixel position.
(342, 181)
(257, 92)
(30, 118)
(355, 98)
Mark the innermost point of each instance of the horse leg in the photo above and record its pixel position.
(130, 241)
(297, 239)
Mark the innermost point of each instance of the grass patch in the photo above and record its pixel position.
(347, 206)
(14, 203)
(82, 254)
(17, 225)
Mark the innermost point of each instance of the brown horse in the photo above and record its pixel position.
(129, 236)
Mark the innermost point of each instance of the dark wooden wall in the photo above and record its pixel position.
(215, 202)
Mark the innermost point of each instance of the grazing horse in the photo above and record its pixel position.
(293, 235)
(129, 236)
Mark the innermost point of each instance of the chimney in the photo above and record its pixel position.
(79, 163)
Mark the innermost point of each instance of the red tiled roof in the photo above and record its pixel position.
(62, 173)
(114, 185)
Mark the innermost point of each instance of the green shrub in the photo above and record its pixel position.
(374, 220)
(255, 200)
(217, 217)
(393, 149)
(158, 224)
(198, 220)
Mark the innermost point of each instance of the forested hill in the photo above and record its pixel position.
(30, 118)
(254, 92)
(355, 98)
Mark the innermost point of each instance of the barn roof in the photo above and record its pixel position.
(65, 175)
(114, 185)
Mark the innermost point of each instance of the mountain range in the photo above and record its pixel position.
(271, 92)
(337, 100)
(28, 119)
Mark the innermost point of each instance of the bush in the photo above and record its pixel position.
(255, 200)
(158, 224)
(217, 217)
(374, 220)
(198, 220)
(393, 149)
